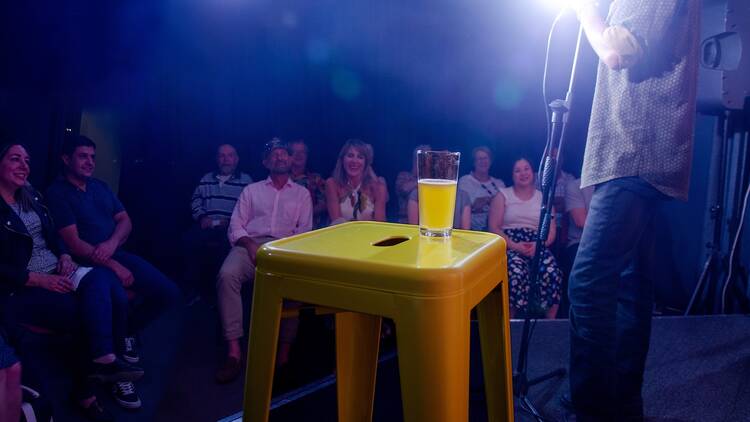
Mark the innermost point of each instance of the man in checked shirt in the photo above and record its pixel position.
(638, 154)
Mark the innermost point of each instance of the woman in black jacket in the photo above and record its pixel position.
(41, 286)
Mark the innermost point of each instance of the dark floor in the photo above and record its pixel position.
(698, 370)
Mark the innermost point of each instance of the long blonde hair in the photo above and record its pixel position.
(368, 174)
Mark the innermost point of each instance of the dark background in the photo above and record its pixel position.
(182, 76)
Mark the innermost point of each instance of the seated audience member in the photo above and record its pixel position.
(514, 215)
(406, 183)
(461, 214)
(577, 202)
(10, 383)
(481, 187)
(212, 204)
(563, 178)
(41, 285)
(354, 191)
(267, 210)
(94, 225)
(311, 181)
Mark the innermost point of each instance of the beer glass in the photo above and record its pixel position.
(437, 174)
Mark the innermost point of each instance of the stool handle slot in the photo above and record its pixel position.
(391, 241)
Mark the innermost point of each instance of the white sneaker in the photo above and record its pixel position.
(131, 352)
(124, 394)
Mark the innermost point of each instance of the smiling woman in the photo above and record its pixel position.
(354, 191)
(36, 286)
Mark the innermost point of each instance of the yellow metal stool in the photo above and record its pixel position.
(428, 287)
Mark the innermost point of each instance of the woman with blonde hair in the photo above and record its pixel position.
(354, 191)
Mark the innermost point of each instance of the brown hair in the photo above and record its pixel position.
(23, 196)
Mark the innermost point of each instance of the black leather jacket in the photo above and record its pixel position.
(16, 244)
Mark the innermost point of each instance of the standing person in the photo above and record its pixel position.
(577, 203)
(315, 184)
(481, 187)
(406, 183)
(212, 204)
(271, 209)
(638, 154)
(354, 191)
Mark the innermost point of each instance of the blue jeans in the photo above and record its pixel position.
(611, 301)
(96, 313)
(155, 293)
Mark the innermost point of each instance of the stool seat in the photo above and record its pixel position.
(370, 270)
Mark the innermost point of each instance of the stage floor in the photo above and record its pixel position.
(697, 370)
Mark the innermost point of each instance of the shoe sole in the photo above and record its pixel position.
(131, 359)
(128, 404)
(121, 376)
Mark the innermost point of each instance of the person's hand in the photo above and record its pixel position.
(206, 222)
(52, 282)
(104, 251)
(66, 266)
(252, 251)
(531, 249)
(124, 274)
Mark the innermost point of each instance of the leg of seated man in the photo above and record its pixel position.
(156, 292)
(236, 270)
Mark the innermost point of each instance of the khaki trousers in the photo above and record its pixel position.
(236, 270)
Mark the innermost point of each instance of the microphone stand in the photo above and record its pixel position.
(548, 171)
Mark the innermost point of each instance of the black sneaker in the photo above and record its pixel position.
(131, 353)
(95, 412)
(125, 395)
(118, 370)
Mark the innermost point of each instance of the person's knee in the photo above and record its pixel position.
(14, 373)
(228, 281)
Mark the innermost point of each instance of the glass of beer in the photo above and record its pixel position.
(437, 174)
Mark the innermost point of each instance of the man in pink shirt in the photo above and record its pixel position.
(267, 210)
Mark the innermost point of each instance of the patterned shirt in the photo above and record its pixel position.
(476, 190)
(642, 116)
(42, 259)
(214, 198)
(316, 186)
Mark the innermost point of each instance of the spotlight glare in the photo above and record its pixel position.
(560, 5)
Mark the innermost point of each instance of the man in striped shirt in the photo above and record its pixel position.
(212, 205)
(217, 192)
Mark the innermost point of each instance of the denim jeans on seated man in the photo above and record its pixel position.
(611, 301)
(154, 292)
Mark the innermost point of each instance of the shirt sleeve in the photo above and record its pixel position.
(60, 209)
(240, 216)
(305, 213)
(117, 206)
(573, 195)
(196, 203)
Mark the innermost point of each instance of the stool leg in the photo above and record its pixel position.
(261, 351)
(494, 336)
(433, 359)
(357, 343)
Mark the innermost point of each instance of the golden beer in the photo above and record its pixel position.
(437, 199)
